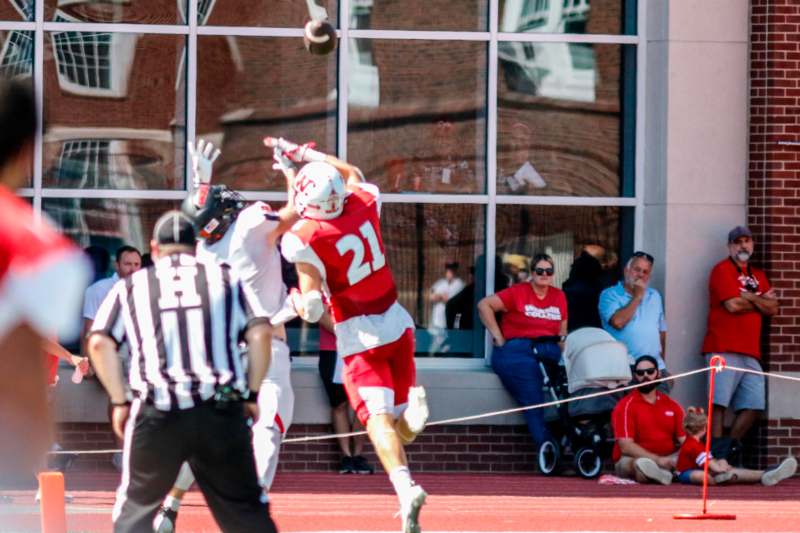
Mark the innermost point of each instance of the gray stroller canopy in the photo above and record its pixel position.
(594, 359)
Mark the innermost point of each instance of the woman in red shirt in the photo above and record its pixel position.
(532, 328)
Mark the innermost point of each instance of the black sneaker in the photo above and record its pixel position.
(361, 466)
(346, 466)
(165, 519)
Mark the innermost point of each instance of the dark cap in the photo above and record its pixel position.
(174, 227)
(739, 231)
(453, 265)
(645, 358)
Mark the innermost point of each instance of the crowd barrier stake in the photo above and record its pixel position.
(718, 364)
(52, 506)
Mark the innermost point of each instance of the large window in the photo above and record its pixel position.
(495, 129)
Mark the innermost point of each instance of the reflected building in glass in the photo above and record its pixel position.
(464, 127)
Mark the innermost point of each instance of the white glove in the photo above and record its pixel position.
(282, 163)
(298, 153)
(202, 157)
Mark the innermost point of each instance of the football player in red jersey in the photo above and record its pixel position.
(42, 279)
(337, 248)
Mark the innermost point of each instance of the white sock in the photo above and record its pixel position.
(172, 502)
(401, 479)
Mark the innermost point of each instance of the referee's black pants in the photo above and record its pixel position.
(218, 445)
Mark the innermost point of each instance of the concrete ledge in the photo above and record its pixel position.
(782, 400)
(451, 393)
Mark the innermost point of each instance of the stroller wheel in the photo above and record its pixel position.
(588, 463)
(549, 456)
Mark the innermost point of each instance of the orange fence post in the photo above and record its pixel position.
(53, 510)
(718, 364)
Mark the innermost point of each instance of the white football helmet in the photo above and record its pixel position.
(319, 191)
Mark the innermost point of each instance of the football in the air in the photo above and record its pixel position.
(319, 37)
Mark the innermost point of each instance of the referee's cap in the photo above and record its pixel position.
(174, 227)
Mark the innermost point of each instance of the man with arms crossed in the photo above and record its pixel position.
(337, 246)
(739, 296)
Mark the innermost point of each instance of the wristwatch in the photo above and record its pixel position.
(250, 396)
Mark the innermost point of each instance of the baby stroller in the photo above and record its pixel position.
(592, 362)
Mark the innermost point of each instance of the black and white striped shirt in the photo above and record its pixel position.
(182, 321)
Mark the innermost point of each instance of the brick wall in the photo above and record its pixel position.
(774, 191)
(472, 448)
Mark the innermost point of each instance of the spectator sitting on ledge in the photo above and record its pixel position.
(534, 320)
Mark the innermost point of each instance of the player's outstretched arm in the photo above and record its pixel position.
(286, 214)
(306, 153)
(202, 157)
(54, 348)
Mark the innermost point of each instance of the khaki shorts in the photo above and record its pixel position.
(624, 467)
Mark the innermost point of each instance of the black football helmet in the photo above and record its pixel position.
(212, 208)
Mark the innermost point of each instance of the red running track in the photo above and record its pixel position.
(457, 502)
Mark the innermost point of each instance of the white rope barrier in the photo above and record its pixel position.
(554, 403)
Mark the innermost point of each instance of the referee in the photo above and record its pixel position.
(193, 389)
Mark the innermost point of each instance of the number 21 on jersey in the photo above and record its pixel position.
(360, 269)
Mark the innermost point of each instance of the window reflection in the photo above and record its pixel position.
(562, 16)
(416, 114)
(115, 108)
(124, 11)
(250, 87)
(16, 54)
(17, 10)
(559, 231)
(283, 14)
(445, 15)
(420, 240)
(560, 119)
(108, 223)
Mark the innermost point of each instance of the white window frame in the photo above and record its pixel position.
(121, 47)
(492, 36)
(22, 66)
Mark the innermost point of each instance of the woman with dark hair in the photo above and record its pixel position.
(532, 328)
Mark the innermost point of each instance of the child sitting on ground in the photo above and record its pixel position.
(692, 458)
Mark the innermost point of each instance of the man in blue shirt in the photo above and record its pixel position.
(633, 313)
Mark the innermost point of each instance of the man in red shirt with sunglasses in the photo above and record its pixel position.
(648, 428)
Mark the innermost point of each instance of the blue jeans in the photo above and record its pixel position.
(516, 363)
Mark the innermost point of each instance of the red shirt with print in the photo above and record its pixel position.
(692, 455)
(656, 427)
(528, 316)
(733, 332)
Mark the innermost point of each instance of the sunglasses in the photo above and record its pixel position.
(646, 371)
(543, 271)
(647, 256)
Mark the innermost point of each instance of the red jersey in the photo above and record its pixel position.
(692, 455)
(655, 427)
(349, 254)
(529, 316)
(733, 332)
(37, 264)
